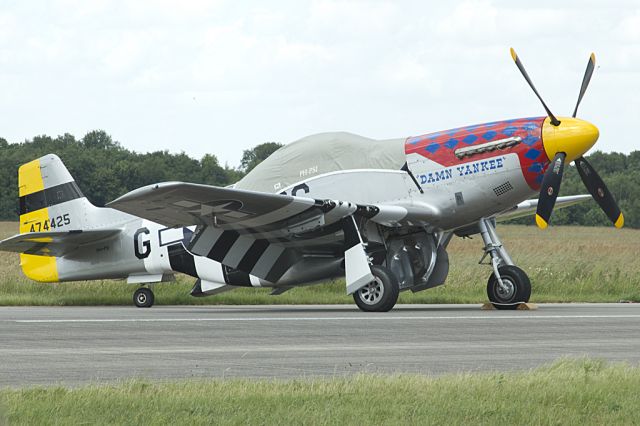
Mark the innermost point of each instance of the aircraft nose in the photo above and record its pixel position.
(572, 136)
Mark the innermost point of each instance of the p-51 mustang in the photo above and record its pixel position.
(379, 212)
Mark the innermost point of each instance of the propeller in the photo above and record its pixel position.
(553, 176)
(599, 192)
(585, 81)
(550, 189)
(514, 55)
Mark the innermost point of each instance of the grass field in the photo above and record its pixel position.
(565, 264)
(566, 392)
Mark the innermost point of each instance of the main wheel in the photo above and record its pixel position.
(517, 288)
(143, 297)
(381, 294)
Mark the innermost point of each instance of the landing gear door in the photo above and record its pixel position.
(356, 262)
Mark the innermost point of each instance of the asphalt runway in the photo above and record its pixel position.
(75, 345)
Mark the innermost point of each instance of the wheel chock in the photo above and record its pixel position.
(521, 307)
(527, 307)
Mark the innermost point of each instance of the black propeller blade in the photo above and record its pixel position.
(599, 192)
(549, 190)
(585, 81)
(554, 120)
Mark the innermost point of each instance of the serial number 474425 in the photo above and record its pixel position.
(51, 223)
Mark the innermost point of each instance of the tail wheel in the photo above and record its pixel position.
(516, 288)
(381, 294)
(143, 298)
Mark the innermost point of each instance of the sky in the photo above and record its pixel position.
(221, 76)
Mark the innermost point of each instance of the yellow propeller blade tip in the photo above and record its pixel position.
(513, 54)
(542, 224)
(620, 222)
(593, 58)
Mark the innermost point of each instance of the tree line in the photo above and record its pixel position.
(104, 170)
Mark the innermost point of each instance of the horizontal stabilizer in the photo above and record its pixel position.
(54, 243)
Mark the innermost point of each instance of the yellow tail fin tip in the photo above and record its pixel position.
(30, 178)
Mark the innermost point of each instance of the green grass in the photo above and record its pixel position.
(565, 264)
(566, 392)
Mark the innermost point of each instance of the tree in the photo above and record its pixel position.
(212, 172)
(256, 155)
(99, 139)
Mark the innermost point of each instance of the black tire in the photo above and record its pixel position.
(519, 288)
(143, 298)
(381, 294)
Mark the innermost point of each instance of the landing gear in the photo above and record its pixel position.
(143, 297)
(508, 285)
(515, 288)
(381, 294)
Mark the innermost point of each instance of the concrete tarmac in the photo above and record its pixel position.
(76, 345)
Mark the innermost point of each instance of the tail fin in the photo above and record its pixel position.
(50, 201)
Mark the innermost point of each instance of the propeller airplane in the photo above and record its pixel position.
(381, 213)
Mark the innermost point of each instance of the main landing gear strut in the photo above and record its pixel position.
(508, 285)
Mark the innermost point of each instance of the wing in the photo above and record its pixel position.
(53, 243)
(528, 207)
(176, 204)
(270, 216)
(259, 233)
